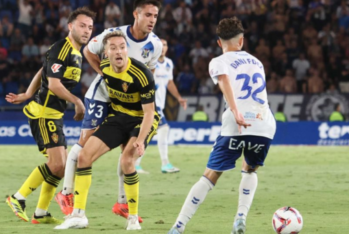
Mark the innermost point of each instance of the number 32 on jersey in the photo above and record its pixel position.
(249, 88)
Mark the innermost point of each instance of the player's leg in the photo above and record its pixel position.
(96, 112)
(255, 155)
(222, 158)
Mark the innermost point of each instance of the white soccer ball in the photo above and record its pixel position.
(287, 220)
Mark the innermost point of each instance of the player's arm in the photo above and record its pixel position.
(174, 91)
(22, 97)
(93, 60)
(56, 86)
(224, 85)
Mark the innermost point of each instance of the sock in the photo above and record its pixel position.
(69, 173)
(196, 196)
(138, 161)
(46, 195)
(122, 195)
(247, 189)
(34, 180)
(132, 192)
(83, 181)
(40, 212)
(163, 144)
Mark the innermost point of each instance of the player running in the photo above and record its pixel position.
(143, 45)
(241, 78)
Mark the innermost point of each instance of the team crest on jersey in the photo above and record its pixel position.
(145, 53)
(55, 67)
(125, 87)
(259, 116)
(54, 137)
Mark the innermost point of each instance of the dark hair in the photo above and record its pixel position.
(336, 106)
(229, 28)
(280, 108)
(141, 3)
(116, 33)
(81, 11)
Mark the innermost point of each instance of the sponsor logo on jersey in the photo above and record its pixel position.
(94, 122)
(55, 67)
(54, 137)
(149, 94)
(259, 116)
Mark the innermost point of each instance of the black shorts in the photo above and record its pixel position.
(117, 130)
(48, 133)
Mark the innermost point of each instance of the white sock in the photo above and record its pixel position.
(138, 161)
(69, 173)
(78, 212)
(19, 196)
(40, 212)
(122, 194)
(247, 189)
(195, 197)
(163, 144)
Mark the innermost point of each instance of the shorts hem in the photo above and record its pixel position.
(229, 169)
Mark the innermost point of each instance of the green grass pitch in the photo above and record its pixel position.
(315, 180)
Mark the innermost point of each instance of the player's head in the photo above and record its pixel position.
(115, 48)
(164, 47)
(146, 14)
(80, 24)
(231, 33)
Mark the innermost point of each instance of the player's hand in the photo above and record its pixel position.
(16, 98)
(183, 102)
(140, 147)
(240, 120)
(79, 111)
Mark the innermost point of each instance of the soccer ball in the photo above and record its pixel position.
(287, 220)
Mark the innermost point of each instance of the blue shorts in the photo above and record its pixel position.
(163, 120)
(228, 149)
(95, 113)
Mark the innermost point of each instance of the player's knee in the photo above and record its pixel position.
(127, 164)
(84, 160)
(56, 168)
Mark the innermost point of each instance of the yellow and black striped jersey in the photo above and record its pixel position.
(129, 89)
(63, 62)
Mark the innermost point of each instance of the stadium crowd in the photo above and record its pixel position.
(304, 45)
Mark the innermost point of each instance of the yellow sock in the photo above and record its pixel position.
(34, 180)
(83, 179)
(131, 183)
(46, 195)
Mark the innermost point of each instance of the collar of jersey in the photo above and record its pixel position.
(129, 34)
(67, 38)
(118, 75)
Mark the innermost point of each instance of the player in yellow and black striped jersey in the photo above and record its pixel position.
(132, 122)
(59, 75)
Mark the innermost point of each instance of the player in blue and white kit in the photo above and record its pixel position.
(241, 78)
(144, 46)
(164, 81)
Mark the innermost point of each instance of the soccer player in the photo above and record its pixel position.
(164, 80)
(241, 78)
(133, 122)
(60, 73)
(144, 46)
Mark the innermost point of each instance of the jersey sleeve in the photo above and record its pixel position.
(147, 88)
(156, 55)
(55, 66)
(217, 68)
(95, 46)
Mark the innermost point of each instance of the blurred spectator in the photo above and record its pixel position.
(63, 23)
(25, 16)
(278, 50)
(336, 114)
(327, 40)
(301, 66)
(44, 47)
(342, 9)
(25, 82)
(214, 50)
(110, 22)
(17, 40)
(183, 16)
(315, 83)
(4, 67)
(200, 114)
(39, 16)
(3, 51)
(112, 11)
(186, 81)
(65, 7)
(87, 78)
(30, 49)
(262, 50)
(288, 83)
(279, 115)
(197, 52)
(273, 83)
(6, 29)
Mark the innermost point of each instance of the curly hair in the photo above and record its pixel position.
(229, 28)
(81, 11)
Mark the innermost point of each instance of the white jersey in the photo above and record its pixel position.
(247, 79)
(163, 74)
(147, 51)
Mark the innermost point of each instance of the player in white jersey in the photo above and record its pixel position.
(144, 46)
(241, 78)
(164, 80)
